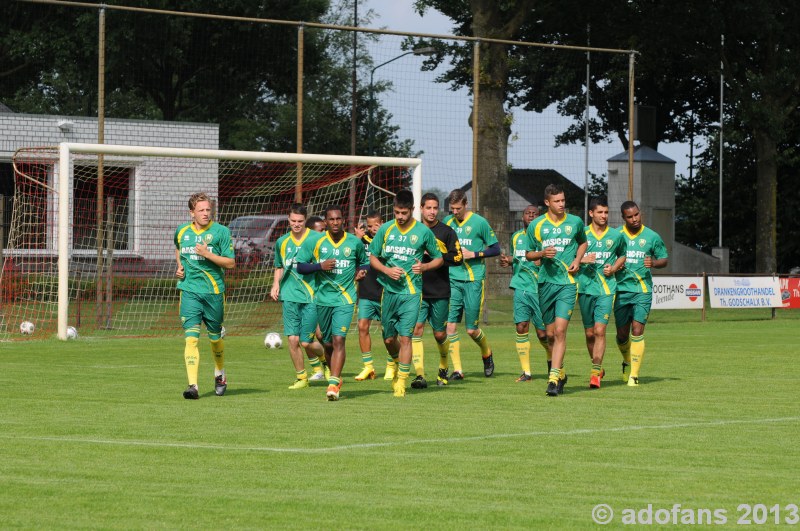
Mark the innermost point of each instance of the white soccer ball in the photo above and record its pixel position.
(26, 328)
(72, 332)
(273, 340)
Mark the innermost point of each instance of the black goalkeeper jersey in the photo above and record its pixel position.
(368, 287)
(436, 283)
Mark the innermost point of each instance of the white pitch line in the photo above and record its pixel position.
(361, 446)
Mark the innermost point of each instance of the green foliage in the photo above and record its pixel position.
(97, 435)
(241, 75)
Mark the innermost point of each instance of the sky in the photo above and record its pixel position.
(399, 15)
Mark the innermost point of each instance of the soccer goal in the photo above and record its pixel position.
(91, 241)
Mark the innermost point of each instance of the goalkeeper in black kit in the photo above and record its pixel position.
(435, 294)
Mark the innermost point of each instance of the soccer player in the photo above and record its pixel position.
(203, 250)
(336, 259)
(605, 255)
(369, 301)
(478, 242)
(316, 223)
(645, 250)
(435, 294)
(296, 292)
(397, 252)
(559, 241)
(525, 283)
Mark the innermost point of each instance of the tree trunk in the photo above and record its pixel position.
(766, 202)
(493, 133)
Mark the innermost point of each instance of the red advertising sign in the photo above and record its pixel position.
(790, 292)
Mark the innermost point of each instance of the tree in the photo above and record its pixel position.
(762, 71)
(496, 20)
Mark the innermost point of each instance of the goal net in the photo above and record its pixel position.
(91, 241)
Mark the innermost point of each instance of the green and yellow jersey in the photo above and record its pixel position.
(337, 286)
(474, 234)
(201, 275)
(395, 247)
(565, 235)
(295, 287)
(635, 277)
(525, 274)
(607, 247)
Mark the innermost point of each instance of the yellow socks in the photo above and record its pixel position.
(443, 347)
(483, 343)
(625, 349)
(218, 350)
(455, 352)
(636, 354)
(191, 356)
(524, 352)
(418, 355)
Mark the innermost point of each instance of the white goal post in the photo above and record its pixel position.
(337, 177)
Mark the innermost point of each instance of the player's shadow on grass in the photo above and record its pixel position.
(233, 392)
(361, 393)
(584, 386)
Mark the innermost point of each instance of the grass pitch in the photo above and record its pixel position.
(95, 434)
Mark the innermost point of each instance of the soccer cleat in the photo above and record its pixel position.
(633, 381)
(399, 388)
(327, 371)
(594, 382)
(488, 366)
(191, 393)
(419, 383)
(299, 384)
(525, 377)
(317, 376)
(367, 373)
(441, 378)
(333, 392)
(220, 385)
(455, 375)
(561, 383)
(625, 371)
(391, 371)
(552, 389)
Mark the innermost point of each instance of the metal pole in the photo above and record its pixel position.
(298, 187)
(631, 62)
(353, 121)
(476, 81)
(110, 261)
(721, 119)
(586, 136)
(101, 122)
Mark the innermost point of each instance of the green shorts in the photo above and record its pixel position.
(335, 320)
(526, 308)
(595, 309)
(434, 311)
(466, 298)
(368, 309)
(208, 308)
(631, 306)
(300, 319)
(399, 314)
(557, 300)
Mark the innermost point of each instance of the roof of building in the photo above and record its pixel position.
(530, 184)
(642, 154)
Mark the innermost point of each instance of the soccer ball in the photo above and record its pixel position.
(26, 328)
(72, 332)
(273, 340)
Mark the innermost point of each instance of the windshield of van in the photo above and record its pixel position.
(250, 227)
